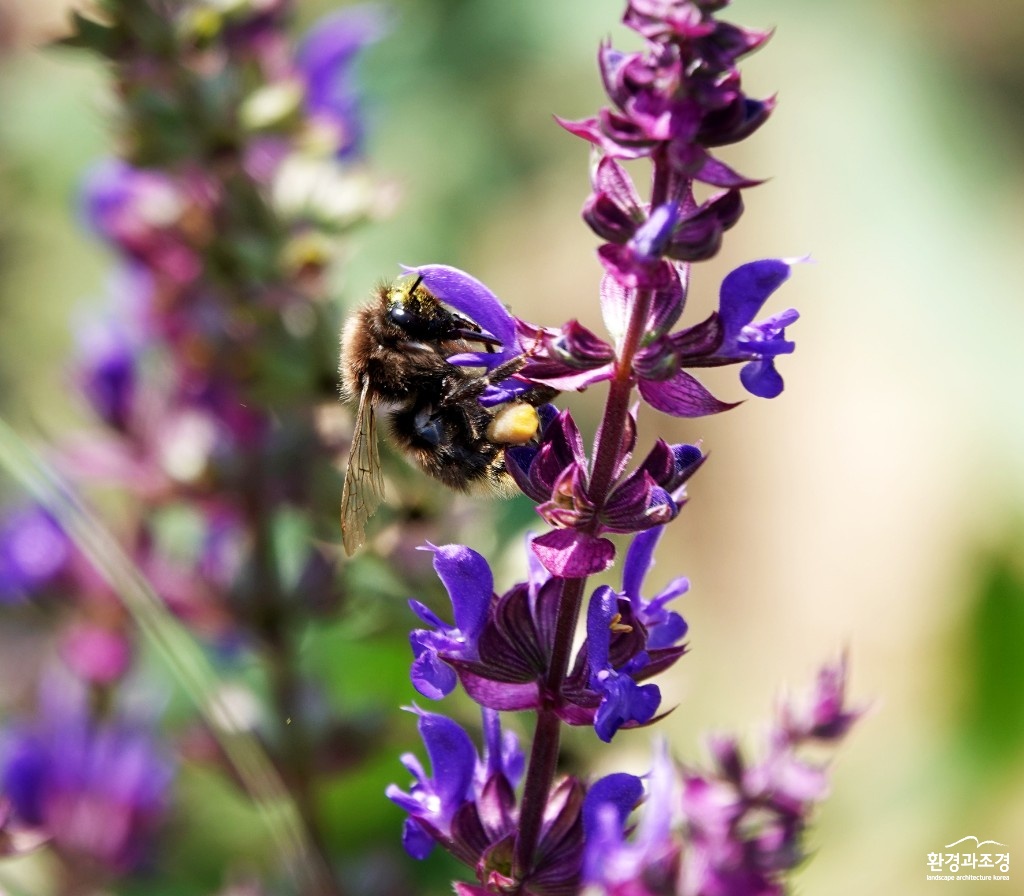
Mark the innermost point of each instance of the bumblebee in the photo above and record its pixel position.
(394, 354)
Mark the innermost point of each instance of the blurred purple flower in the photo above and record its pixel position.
(734, 830)
(645, 864)
(33, 552)
(141, 213)
(99, 789)
(467, 804)
(326, 58)
(97, 654)
(106, 371)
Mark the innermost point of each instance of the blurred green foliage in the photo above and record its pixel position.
(992, 721)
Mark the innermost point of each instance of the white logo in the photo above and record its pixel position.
(986, 860)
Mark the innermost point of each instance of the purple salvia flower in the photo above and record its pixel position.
(563, 360)
(823, 714)
(665, 628)
(470, 586)
(681, 95)
(727, 337)
(735, 830)
(466, 803)
(554, 474)
(743, 293)
(501, 656)
(622, 699)
(654, 492)
(433, 800)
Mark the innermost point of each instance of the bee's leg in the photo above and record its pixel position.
(504, 371)
(473, 386)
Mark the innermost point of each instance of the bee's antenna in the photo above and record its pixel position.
(419, 280)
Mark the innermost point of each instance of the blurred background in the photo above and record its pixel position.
(876, 507)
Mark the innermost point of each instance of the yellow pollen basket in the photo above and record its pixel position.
(514, 424)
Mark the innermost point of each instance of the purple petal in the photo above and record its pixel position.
(693, 344)
(718, 174)
(570, 554)
(760, 378)
(587, 129)
(624, 701)
(575, 380)
(469, 582)
(670, 630)
(682, 396)
(502, 751)
(470, 297)
(674, 589)
(33, 551)
(745, 290)
(603, 606)
(106, 371)
(431, 676)
(611, 178)
(452, 760)
(576, 715)
(415, 839)
(333, 40)
(660, 809)
(613, 209)
(27, 768)
(619, 790)
(635, 269)
(653, 235)
(501, 695)
(506, 390)
(639, 560)
(427, 615)
(667, 304)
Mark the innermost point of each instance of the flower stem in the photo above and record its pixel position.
(541, 773)
(608, 450)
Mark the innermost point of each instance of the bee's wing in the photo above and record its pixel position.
(364, 482)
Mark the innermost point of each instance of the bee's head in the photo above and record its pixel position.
(416, 314)
(409, 306)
